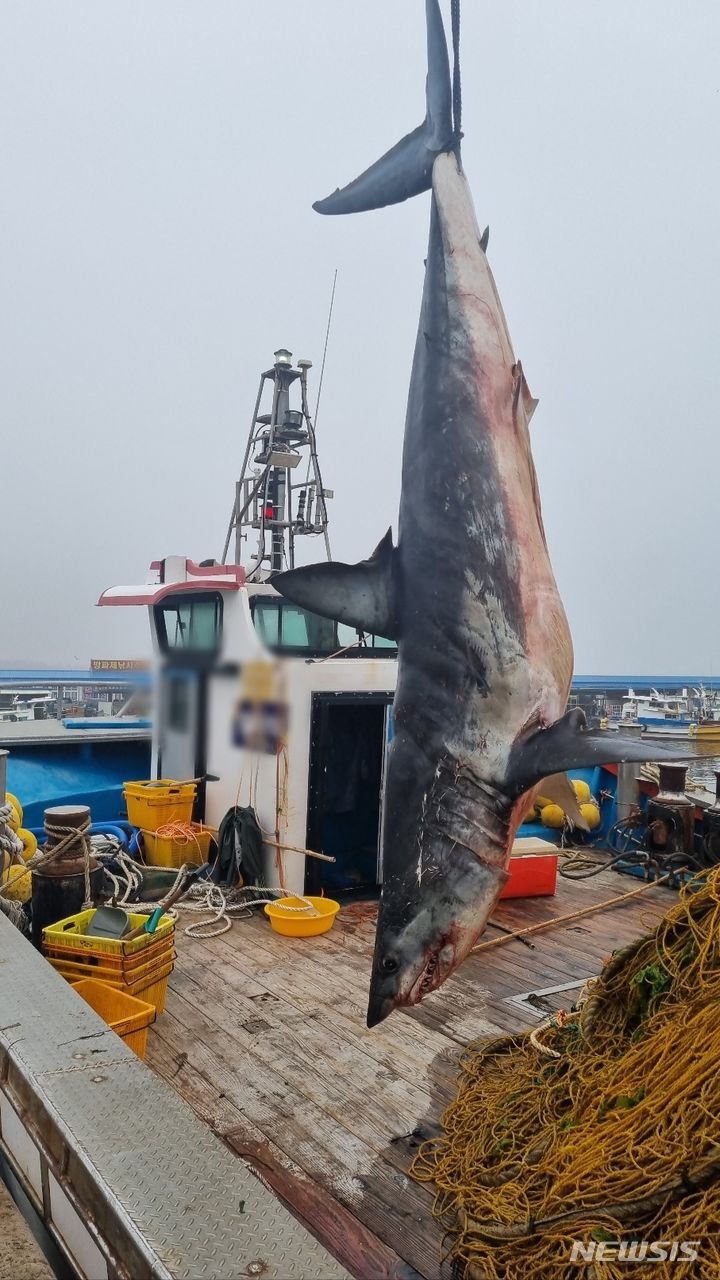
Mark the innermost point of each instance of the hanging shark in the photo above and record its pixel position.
(485, 656)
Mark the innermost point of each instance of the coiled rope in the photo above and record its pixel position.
(66, 837)
(223, 905)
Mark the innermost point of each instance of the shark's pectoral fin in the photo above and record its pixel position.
(362, 595)
(558, 789)
(569, 744)
(406, 170)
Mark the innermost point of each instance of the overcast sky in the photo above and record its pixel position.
(158, 162)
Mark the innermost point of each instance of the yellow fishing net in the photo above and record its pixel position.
(615, 1143)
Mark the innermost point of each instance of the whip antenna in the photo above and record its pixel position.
(325, 348)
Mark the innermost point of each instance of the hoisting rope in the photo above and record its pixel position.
(457, 85)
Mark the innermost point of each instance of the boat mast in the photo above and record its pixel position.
(267, 499)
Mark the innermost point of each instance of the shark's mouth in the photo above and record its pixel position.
(439, 963)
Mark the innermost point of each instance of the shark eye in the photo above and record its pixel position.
(390, 964)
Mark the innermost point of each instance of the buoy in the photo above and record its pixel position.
(530, 815)
(19, 883)
(552, 816)
(591, 814)
(581, 789)
(29, 842)
(16, 820)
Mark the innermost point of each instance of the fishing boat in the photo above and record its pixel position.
(707, 729)
(30, 704)
(303, 740)
(680, 715)
(657, 712)
(261, 1072)
(269, 1132)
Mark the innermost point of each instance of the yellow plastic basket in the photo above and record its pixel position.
(127, 1016)
(152, 989)
(174, 851)
(151, 804)
(72, 932)
(85, 969)
(119, 964)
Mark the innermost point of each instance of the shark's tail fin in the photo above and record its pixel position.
(406, 170)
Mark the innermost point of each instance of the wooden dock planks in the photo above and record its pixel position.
(265, 1037)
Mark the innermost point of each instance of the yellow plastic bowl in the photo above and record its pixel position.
(299, 924)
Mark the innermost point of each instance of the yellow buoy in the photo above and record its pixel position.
(18, 882)
(29, 842)
(581, 789)
(591, 814)
(552, 816)
(16, 820)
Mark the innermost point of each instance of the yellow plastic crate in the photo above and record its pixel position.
(83, 969)
(175, 851)
(151, 804)
(153, 990)
(123, 964)
(72, 932)
(127, 1016)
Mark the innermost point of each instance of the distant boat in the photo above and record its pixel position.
(19, 706)
(657, 712)
(671, 715)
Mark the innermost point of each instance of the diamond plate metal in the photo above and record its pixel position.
(155, 1180)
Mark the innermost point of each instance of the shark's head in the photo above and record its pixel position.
(428, 923)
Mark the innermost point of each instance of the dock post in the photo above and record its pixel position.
(628, 785)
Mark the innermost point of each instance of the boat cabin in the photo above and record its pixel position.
(274, 707)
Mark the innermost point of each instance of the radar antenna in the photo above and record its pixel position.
(267, 499)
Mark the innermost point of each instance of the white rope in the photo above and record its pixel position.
(9, 839)
(224, 904)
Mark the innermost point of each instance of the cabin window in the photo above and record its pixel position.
(267, 623)
(349, 635)
(286, 627)
(190, 624)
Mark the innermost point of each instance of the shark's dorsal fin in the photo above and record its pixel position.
(406, 169)
(362, 595)
(485, 239)
(522, 393)
(569, 744)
